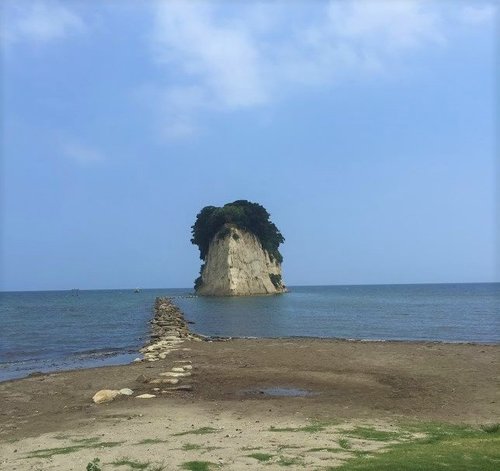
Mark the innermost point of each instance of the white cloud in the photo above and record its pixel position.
(80, 153)
(227, 56)
(38, 21)
(385, 23)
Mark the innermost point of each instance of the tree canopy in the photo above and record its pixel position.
(244, 214)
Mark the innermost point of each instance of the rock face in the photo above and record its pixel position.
(237, 265)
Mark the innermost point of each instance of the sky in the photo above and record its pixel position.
(366, 128)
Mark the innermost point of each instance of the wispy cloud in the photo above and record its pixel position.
(222, 57)
(38, 21)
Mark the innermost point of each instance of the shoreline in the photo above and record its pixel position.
(136, 353)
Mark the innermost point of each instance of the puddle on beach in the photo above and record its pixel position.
(280, 392)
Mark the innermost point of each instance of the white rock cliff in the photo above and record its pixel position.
(237, 265)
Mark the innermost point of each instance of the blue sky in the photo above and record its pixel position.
(366, 128)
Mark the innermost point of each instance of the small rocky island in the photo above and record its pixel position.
(239, 247)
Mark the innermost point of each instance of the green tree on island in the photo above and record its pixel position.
(244, 214)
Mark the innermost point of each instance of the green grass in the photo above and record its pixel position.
(198, 465)
(86, 441)
(191, 446)
(94, 465)
(157, 467)
(290, 461)
(328, 449)
(370, 433)
(131, 463)
(344, 443)
(198, 431)
(490, 428)
(445, 447)
(49, 452)
(261, 456)
(150, 441)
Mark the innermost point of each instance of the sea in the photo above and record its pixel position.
(61, 330)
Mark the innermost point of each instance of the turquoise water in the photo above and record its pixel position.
(54, 330)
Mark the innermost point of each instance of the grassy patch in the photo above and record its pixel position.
(198, 465)
(290, 461)
(49, 452)
(94, 465)
(490, 428)
(261, 456)
(157, 467)
(344, 443)
(370, 433)
(327, 449)
(197, 431)
(445, 447)
(131, 463)
(86, 441)
(150, 441)
(191, 446)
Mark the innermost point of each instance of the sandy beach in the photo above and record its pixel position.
(274, 399)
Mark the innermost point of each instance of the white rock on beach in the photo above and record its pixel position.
(145, 396)
(105, 395)
(126, 392)
(164, 381)
(175, 374)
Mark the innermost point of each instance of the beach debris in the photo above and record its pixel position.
(126, 392)
(137, 360)
(105, 395)
(145, 396)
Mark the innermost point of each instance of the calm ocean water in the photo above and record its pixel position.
(54, 330)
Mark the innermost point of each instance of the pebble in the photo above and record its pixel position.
(145, 396)
(126, 391)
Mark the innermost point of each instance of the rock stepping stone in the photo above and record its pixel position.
(164, 381)
(145, 396)
(105, 395)
(175, 374)
(108, 395)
